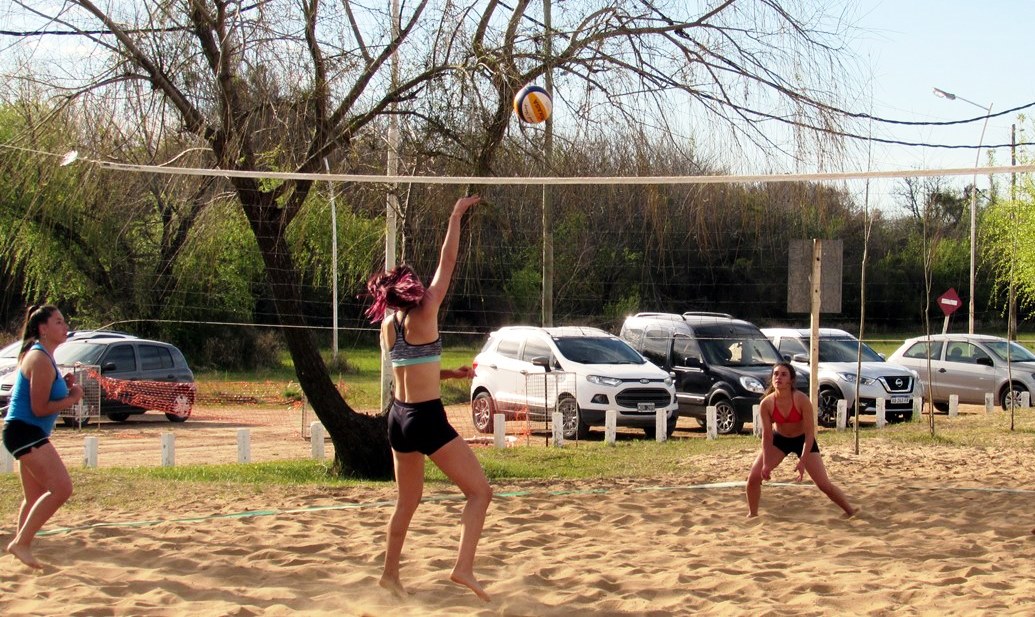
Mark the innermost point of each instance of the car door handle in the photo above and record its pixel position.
(493, 366)
(941, 370)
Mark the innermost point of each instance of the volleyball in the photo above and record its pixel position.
(532, 104)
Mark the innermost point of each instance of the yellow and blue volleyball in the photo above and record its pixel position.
(532, 104)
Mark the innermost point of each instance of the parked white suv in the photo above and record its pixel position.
(594, 371)
(839, 370)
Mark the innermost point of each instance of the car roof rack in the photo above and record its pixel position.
(672, 316)
(707, 314)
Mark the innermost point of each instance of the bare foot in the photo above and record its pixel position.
(752, 515)
(24, 554)
(393, 584)
(852, 514)
(468, 580)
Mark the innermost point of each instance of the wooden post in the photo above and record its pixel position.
(90, 452)
(244, 445)
(168, 449)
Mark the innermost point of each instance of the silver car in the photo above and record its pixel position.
(969, 365)
(839, 370)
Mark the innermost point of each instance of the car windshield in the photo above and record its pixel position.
(11, 351)
(84, 353)
(733, 345)
(1018, 353)
(597, 350)
(845, 350)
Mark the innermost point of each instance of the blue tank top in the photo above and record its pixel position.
(405, 354)
(21, 406)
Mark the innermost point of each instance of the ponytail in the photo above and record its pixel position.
(36, 315)
(399, 288)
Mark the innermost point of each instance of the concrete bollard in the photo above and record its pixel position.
(90, 452)
(989, 402)
(756, 420)
(711, 421)
(610, 426)
(660, 425)
(882, 412)
(918, 409)
(842, 414)
(168, 449)
(1025, 400)
(499, 430)
(244, 445)
(954, 405)
(316, 432)
(558, 429)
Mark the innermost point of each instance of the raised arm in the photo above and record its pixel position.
(450, 248)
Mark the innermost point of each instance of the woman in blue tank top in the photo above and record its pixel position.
(417, 422)
(39, 394)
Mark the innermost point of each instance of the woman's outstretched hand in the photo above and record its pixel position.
(464, 203)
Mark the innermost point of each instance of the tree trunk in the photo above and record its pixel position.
(360, 441)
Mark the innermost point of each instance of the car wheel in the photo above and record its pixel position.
(726, 421)
(702, 422)
(175, 418)
(118, 416)
(827, 413)
(75, 422)
(1012, 396)
(572, 426)
(942, 407)
(482, 410)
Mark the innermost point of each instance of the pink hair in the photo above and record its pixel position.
(399, 288)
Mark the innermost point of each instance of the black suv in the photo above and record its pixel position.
(715, 359)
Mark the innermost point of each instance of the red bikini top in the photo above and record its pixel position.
(792, 416)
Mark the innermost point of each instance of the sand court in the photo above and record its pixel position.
(923, 544)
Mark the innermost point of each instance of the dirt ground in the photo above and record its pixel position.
(209, 436)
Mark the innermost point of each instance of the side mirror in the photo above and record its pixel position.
(800, 357)
(984, 361)
(542, 361)
(109, 366)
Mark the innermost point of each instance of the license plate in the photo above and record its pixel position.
(899, 400)
(645, 407)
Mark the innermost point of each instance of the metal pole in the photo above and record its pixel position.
(548, 159)
(334, 267)
(392, 206)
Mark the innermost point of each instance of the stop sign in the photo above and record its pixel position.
(949, 302)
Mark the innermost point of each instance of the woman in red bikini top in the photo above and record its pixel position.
(789, 427)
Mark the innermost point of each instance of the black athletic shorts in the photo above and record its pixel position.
(792, 445)
(419, 427)
(21, 437)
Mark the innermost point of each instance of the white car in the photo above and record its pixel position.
(839, 370)
(969, 365)
(9, 354)
(591, 371)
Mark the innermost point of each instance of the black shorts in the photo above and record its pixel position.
(21, 437)
(792, 445)
(419, 427)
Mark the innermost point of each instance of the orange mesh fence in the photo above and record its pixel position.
(165, 396)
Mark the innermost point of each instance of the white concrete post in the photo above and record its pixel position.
(710, 422)
(6, 461)
(660, 425)
(842, 414)
(168, 449)
(989, 402)
(90, 452)
(954, 405)
(610, 426)
(918, 409)
(1025, 399)
(882, 414)
(244, 445)
(756, 420)
(499, 430)
(316, 440)
(558, 429)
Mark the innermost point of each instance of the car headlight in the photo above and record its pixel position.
(669, 381)
(752, 385)
(850, 378)
(601, 380)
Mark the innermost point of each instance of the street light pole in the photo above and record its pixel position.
(973, 200)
